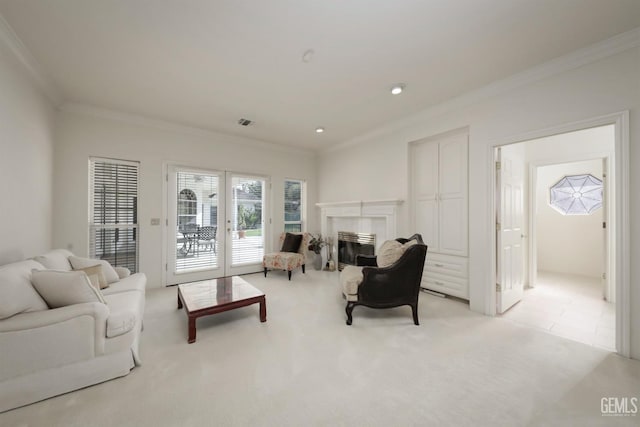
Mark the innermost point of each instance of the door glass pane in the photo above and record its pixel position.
(246, 223)
(196, 221)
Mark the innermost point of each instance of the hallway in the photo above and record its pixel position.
(569, 306)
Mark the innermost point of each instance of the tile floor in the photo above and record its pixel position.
(569, 306)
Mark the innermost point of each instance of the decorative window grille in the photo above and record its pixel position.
(293, 205)
(113, 212)
(576, 195)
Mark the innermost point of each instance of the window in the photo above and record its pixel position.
(576, 195)
(113, 212)
(187, 208)
(293, 205)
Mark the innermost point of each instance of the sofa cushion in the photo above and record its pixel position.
(57, 259)
(389, 253)
(109, 272)
(17, 293)
(122, 272)
(135, 282)
(62, 288)
(96, 276)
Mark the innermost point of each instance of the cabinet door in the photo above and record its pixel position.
(452, 198)
(424, 166)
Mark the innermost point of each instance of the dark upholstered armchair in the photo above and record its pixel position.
(396, 282)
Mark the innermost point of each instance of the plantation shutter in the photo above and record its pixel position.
(113, 212)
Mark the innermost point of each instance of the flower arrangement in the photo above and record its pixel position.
(316, 243)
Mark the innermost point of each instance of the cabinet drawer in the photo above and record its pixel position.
(447, 285)
(447, 265)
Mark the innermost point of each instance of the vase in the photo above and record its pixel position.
(317, 262)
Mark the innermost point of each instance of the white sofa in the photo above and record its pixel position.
(49, 351)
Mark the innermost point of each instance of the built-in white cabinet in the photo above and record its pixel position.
(440, 212)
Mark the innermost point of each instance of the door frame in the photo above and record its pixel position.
(228, 267)
(166, 167)
(620, 120)
(169, 168)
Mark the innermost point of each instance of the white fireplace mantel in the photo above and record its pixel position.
(379, 217)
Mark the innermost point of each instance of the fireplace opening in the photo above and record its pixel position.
(352, 244)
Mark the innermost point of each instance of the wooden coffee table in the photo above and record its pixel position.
(215, 296)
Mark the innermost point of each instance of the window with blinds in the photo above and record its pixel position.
(293, 192)
(113, 212)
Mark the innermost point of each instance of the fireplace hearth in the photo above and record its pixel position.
(352, 244)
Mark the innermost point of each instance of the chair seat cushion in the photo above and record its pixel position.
(350, 279)
(283, 260)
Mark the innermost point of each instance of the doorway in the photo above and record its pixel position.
(215, 224)
(558, 274)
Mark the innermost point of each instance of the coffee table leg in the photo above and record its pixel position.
(192, 330)
(263, 310)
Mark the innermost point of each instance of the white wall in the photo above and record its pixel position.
(571, 244)
(26, 163)
(598, 88)
(84, 134)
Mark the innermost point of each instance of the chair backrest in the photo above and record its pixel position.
(401, 279)
(207, 232)
(304, 244)
(190, 227)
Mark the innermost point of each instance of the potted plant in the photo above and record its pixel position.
(316, 243)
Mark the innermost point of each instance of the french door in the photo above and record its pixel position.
(216, 224)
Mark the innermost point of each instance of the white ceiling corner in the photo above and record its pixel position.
(35, 71)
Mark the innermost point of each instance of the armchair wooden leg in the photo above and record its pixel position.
(265, 272)
(414, 310)
(302, 268)
(289, 274)
(349, 310)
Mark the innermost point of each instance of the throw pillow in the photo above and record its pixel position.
(389, 253)
(107, 269)
(409, 244)
(18, 293)
(291, 242)
(96, 276)
(62, 288)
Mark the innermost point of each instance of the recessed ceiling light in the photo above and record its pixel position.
(398, 88)
(319, 129)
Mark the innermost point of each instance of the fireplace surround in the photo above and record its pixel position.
(377, 217)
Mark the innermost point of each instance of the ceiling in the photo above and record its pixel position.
(207, 63)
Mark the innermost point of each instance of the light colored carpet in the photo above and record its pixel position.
(305, 367)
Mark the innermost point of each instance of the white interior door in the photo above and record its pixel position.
(195, 214)
(509, 226)
(245, 229)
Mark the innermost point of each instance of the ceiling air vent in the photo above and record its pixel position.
(244, 122)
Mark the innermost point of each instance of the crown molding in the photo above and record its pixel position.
(24, 57)
(166, 125)
(573, 60)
